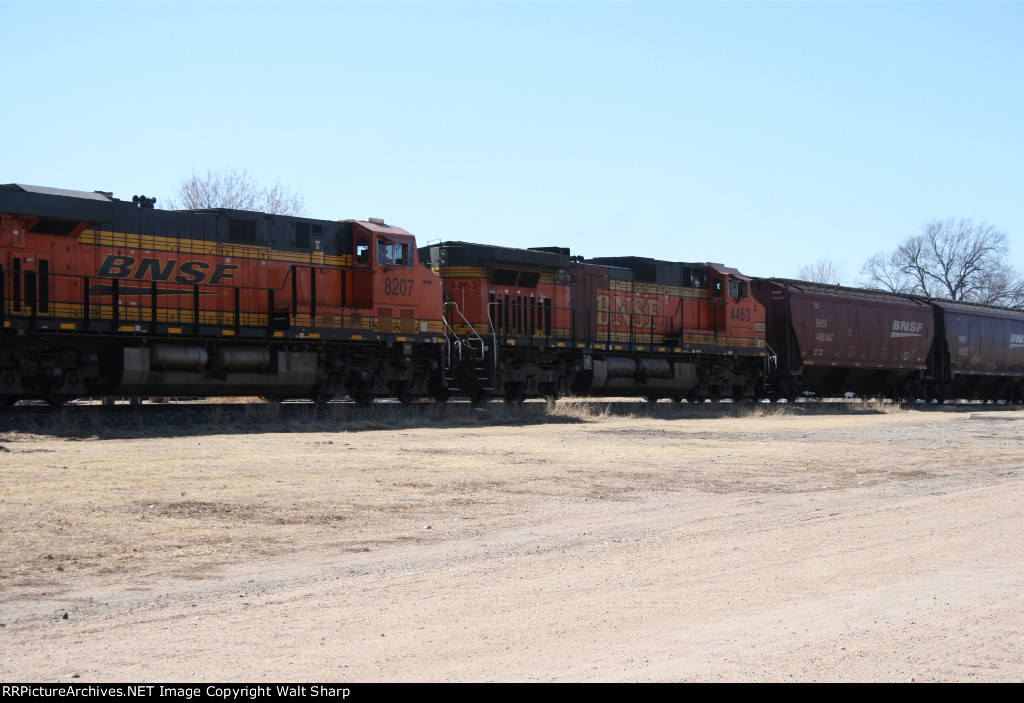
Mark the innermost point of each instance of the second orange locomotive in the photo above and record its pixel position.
(540, 322)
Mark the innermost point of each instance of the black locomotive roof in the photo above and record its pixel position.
(103, 211)
(100, 206)
(43, 190)
(649, 270)
(466, 254)
(18, 199)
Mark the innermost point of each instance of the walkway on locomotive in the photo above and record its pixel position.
(87, 262)
(545, 298)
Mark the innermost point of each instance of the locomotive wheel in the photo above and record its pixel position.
(514, 395)
(479, 396)
(441, 395)
(437, 389)
(790, 391)
(551, 392)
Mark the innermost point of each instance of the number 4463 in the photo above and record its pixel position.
(740, 314)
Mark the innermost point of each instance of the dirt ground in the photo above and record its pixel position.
(570, 545)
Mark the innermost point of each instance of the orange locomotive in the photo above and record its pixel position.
(539, 322)
(103, 297)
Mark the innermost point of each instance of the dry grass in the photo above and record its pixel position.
(94, 422)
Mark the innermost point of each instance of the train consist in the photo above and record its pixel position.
(102, 297)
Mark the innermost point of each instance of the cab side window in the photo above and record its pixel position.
(394, 254)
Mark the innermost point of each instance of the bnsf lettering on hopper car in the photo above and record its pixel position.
(906, 327)
(151, 269)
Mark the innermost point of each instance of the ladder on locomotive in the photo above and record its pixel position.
(467, 349)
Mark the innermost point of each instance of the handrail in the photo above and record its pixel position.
(241, 306)
(94, 289)
(455, 334)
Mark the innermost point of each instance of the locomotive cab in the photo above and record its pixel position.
(734, 311)
(387, 272)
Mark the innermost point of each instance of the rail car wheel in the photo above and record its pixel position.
(362, 398)
(56, 400)
(8, 400)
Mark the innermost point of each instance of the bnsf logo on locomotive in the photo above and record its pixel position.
(128, 267)
(905, 328)
(635, 312)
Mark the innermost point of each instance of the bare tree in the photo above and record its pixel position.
(953, 259)
(826, 271)
(237, 191)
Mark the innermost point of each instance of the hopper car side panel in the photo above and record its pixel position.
(831, 341)
(980, 352)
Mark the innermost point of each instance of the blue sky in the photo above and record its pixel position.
(759, 135)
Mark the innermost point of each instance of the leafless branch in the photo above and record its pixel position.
(824, 271)
(237, 191)
(953, 259)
